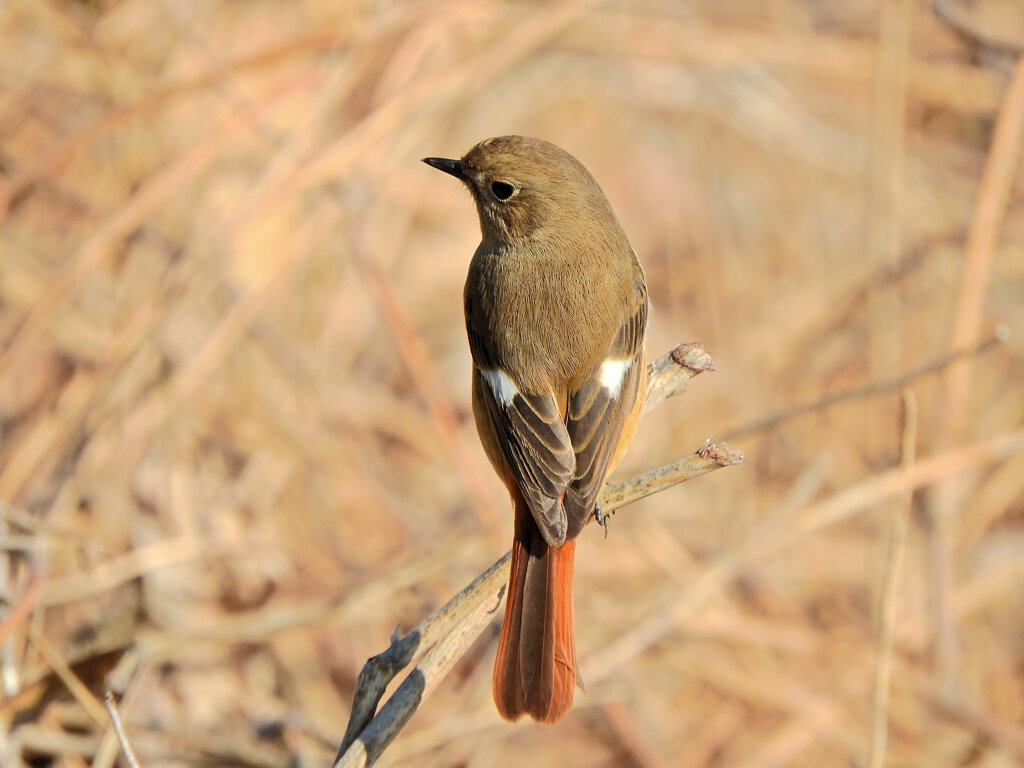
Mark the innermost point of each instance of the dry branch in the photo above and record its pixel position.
(446, 635)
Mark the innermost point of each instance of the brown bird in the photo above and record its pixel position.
(556, 311)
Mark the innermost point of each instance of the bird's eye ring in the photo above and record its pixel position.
(502, 189)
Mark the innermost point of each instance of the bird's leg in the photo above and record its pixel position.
(602, 518)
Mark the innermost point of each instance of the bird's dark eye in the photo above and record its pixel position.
(502, 189)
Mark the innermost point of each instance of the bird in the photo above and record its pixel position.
(556, 313)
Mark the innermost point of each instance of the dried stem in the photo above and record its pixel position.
(129, 753)
(447, 634)
(894, 558)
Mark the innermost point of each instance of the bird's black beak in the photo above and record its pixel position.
(454, 167)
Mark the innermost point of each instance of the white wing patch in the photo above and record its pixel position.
(612, 373)
(501, 384)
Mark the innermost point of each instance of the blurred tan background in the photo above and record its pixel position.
(235, 440)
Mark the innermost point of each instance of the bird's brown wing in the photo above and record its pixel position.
(597, 413)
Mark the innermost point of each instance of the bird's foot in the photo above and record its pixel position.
(602, 518)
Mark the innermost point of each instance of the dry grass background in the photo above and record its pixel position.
(235, 440)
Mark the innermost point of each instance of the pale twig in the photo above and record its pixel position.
(667, 374)
(893, 560)
(446, 634)
(122, 683)
(705, 459)
(129, 753)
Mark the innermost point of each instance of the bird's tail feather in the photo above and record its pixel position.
(535, 667)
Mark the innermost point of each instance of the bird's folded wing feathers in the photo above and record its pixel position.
(536, 446)
(597, 413)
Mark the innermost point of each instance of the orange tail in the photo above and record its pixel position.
(535, 669)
